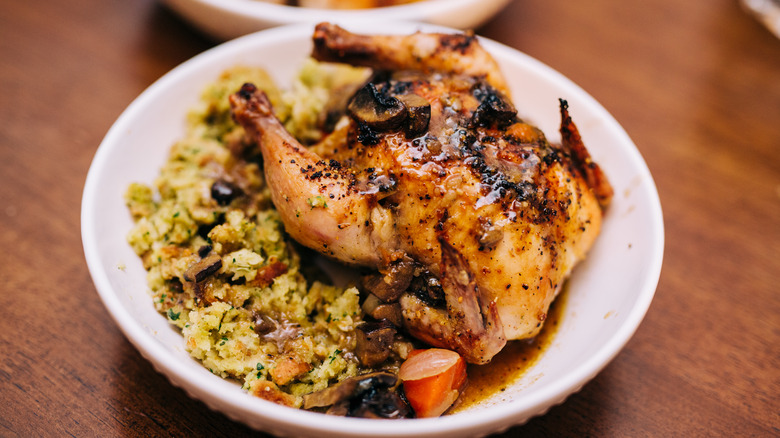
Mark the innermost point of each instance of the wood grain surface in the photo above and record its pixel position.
(696, 84)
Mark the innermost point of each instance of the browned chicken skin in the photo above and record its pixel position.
(433, 175)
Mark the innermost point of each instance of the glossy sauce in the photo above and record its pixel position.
(512, 362)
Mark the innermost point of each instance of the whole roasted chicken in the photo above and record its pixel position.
(471, 219)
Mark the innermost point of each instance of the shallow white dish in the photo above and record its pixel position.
(226, 19)
(608, 294)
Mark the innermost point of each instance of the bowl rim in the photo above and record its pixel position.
(283, 418)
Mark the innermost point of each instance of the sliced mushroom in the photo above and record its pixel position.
(389, 286)
(224, 192)
(374, 340)
(380, 404)
(203, 268)
(387, 291)
(378, 310)
(419, 114)
(347, 389)
(264, 324)
(376, 110)
(493, 108)
(390, 312)
(370, 395)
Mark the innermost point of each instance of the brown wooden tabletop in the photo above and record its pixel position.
(696, 84)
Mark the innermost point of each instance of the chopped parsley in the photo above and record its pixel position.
(173, 315)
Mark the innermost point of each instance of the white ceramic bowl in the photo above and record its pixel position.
(226, 19)
(608, 294)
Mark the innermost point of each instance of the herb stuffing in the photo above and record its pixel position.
(220, 266)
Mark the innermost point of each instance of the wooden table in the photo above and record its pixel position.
(696, 84)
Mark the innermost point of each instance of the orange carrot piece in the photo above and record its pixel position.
(432, 396)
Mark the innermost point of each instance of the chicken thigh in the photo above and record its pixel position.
(472, 219)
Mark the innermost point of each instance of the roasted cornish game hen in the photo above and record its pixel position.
(470, 217)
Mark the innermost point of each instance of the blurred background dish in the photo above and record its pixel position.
(341, 4)
(227, 19)
(765, 11)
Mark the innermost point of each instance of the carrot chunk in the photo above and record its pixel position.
(432, 380)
